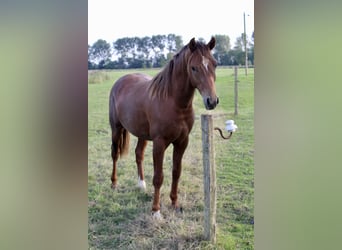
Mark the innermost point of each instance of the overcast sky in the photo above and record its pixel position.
(110, 19)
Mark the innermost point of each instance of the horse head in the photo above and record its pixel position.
(201, 70)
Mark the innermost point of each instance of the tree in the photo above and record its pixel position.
(122, 49)
(236, 57)
(171, 43)
(100, 51)
(239, 43)
(160, 61)
(89, 53)
(90, 64)
(155, 51)
(174, 44)
(221, 49)
(144, 47)
(239, 50)
(158, 43)
(251, 50)
(179, 43)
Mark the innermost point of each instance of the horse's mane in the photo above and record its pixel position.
(161, 85)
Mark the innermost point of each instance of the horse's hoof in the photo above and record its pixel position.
(156, 215)
(113, 186)
(179, 210)
(142, 185)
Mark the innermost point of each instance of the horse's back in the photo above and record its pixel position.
(130, 82)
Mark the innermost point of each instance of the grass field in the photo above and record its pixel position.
(121, 219)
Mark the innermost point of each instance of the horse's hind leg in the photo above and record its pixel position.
(139, 156)
(116, 133)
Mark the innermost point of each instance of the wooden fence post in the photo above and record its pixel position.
(236, 90)
(209, 175)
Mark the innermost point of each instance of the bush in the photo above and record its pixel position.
(97, 76)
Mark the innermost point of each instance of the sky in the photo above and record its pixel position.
(111, 20)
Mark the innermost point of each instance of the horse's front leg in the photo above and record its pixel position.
(159, 146)
(178, 152)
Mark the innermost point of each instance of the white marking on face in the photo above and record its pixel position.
(205, 62)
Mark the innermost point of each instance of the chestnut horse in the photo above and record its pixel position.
(160, 109)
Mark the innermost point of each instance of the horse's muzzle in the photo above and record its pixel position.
(211, 103)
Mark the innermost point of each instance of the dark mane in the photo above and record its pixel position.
(161, 85)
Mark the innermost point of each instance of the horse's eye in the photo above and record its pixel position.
(193, 69)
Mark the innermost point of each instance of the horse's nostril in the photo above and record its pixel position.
(218, 100)
(208, 102)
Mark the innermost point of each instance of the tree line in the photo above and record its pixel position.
(157, 50)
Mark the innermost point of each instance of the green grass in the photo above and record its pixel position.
(121, 219)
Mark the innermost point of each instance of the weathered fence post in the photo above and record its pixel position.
(209, 175)
(236, 90)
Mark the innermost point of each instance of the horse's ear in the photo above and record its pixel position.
(192, 45)
(212, 42)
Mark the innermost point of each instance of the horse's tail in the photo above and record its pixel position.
(123, 143)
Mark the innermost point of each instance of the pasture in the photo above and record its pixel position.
(120, 219)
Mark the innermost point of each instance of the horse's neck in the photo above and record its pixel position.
(183, 91)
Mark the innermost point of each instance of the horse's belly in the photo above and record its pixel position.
(139, 132)
(137, 124)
